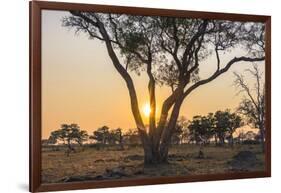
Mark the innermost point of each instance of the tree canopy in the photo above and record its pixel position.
(170, 51)
(69, 134)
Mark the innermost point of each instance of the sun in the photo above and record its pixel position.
(146, 110)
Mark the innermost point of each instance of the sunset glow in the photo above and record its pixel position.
(146, 110)
(74, 91)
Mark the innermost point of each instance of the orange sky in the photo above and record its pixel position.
(80, 85)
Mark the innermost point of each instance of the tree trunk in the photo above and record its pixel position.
(158, 157)
(167, 133)
(221, 139)
(70, 148)
(121, 143)
(152, 155)
(216, 140)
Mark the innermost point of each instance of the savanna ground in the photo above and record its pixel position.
(111, 163)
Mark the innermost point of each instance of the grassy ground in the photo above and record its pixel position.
(95, 164)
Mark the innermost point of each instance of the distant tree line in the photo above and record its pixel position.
(104, 136)
(70, 135)
(217, 128)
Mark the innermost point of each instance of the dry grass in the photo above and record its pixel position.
(183, 161)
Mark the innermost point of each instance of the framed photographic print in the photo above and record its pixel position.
(123, 96)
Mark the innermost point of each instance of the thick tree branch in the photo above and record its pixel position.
(196, 59)
(221, 71)
(177, 45)
(166, 106)
(168, 131)
(152, 99)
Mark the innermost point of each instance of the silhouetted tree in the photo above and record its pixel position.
(101, 135)
(52, 140)
(241, 136)
(211, 124)
(69, 134)
(222, 122)
(80, 137)
(115, 136)
(170, 50)
(253, 105)
(201, 129)
(183, 123)
(225, 125)
(235, 121)
(176, 136)
(119, 134)
(131, 137)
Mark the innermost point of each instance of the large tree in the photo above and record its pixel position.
(101, 135)
(170, 51)
(201, 129)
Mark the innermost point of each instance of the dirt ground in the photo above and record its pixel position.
(110, 163)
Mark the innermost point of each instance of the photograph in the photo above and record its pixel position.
(130, 96)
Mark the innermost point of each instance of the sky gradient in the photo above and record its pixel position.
(80, 84)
